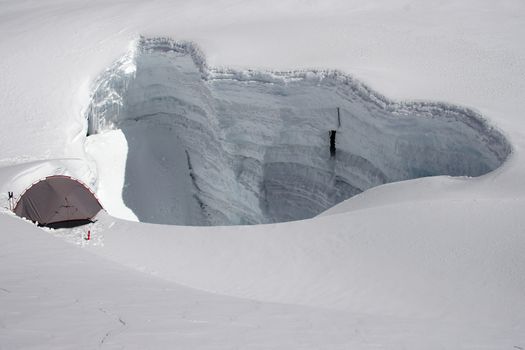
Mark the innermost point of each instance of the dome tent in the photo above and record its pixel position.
(58, 201)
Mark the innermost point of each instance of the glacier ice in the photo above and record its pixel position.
(211, 146)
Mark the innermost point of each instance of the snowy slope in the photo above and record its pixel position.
(61, 297)
(430, 263)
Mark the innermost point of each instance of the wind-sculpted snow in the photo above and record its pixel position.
(216, 146)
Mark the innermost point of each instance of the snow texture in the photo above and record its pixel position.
(429, 263)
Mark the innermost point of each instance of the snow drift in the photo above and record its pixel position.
(211, 146)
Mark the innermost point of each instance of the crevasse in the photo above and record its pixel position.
(225, 147)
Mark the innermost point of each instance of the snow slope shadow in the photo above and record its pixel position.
(223, 147)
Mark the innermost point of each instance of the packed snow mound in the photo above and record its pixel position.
(210, 146)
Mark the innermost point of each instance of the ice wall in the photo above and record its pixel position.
(220, 147)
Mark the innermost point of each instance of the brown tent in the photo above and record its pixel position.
(58, 201)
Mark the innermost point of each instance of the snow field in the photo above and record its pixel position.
(442, 256)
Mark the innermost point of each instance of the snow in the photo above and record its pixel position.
(434, 263)
(60, 296)
(109, 150)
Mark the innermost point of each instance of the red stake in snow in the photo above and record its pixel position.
(88, 235)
